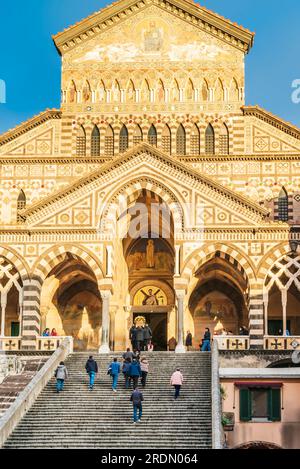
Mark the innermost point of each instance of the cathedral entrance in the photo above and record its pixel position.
(158, 323)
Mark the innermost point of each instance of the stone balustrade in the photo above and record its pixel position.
(10, 344)
(282, 342)
(226, 342)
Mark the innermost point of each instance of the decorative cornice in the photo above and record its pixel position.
(29, 125)
(187, 10)
(62, 159)
(272, 119)
(138, 151)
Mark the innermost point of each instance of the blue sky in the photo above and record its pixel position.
(30, 64)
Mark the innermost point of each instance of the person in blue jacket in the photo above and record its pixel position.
(135, 372)
(114, 369)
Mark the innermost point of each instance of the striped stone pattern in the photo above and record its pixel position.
(131, 192)
(69, 132)
(31, 312)
(256, 317)
(238, 136)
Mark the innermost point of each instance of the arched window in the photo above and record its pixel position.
(109, 145)
(224, 140)
(137, 135)
(234, 91)
(21, 205)
(282, 206)
(95, 142)
(145, 92)
(81, 142)
(195, 141)
(130, 92)
(160, 92)
(152, 136)
(123, 142)
(166, 139)
(180, 141)
(210, 140)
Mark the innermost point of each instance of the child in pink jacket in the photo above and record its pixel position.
(177, 382)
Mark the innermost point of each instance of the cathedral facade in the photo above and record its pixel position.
(152, 122)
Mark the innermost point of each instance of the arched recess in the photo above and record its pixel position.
(86, 92)
(152, 136)
(181, 140)
(130, 93)
(81, 142)
(71, 302)
(256, 445)
(204, 91)
(224, 140)
(195, 141)
(189, 91)
(21, 205)
(125, 195)
(95, 141)
(234, 94)
(148, 250)
(219, 299)
(166, 139)
(160, 92)
(281, 295)
(123, 139)
(145, 92)
(137, 135)
(109, 143)
(72, 93)
(11, 298)
(219, 91)
(209, 140)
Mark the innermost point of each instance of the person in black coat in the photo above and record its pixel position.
(139, 338)
(91, 369)
(132, 337)
(147, 336)
(189, 341)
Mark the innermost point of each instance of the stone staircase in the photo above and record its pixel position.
(101, 419)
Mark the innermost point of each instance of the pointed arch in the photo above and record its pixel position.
(224, 140)
(195, 141)
(21, 205)
(219, 91)
(152, 136)
(86, 92)
(81, 142)
(190, 91)
(160, 92)
(109, 143)
(145, 92)
(130, 92)
(137, 135)
(282, 206)
(175, 93)
(210, 140)
(234, 90)
(101, 91)
(204, 91)
(116, 92)
(123, 140)
(181, 141)
(72, 92)
(95, 141)
(166, 139)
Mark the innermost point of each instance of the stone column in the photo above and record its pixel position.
(177, 260)
(256, 318)
(105, 295)
(180, 295)
(284, 307)
(3, 310)
(31, 320)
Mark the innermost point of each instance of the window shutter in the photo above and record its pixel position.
(245, 405)
(274, 403)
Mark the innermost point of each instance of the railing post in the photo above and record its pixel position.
(217, 430)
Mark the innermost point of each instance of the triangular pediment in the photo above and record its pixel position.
(204, 202)
(188, 11)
